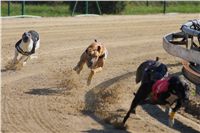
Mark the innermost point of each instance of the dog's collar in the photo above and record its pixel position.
(21, 51)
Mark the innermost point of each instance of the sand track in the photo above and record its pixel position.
(47, 96)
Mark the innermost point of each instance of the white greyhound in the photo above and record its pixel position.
(26, 47)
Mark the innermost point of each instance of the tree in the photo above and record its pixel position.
(107, 7)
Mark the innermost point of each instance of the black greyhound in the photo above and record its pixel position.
(148, 77)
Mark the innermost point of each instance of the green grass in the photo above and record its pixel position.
(62, 9)
(142, 9)
(152, 9)
(188, 8)
(38, 10)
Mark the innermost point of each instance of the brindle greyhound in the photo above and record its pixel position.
(94, 56)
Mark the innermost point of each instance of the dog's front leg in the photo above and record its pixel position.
(90, 77)
(93, 71)
(142, 93)
(22, 59)
(24, 63)
(96, 69)
(99, 69)
(33, 57)
(15, 58)
(80, 64)
(134, 104)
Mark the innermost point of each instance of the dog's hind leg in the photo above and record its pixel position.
(173, 111)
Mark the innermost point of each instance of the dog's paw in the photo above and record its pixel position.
(77, 70)
(171, 119)
(24, 63)
(133, 111)
(171, 122)
(33, 57)
(88, 82)
(19, 66)
(120, 126)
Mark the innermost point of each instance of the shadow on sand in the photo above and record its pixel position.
(174, 65)
(4, 70)
(162, 117)
(44, 91)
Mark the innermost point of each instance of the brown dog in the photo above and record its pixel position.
(94, 56)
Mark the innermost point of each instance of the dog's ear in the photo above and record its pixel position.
(86, 51)
(99, 48)
(23, 34)
(157, 58)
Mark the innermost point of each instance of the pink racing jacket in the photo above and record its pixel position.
(159, 87)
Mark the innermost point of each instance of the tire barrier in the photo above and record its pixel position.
(189, 36)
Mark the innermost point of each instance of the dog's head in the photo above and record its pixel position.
(26, 37)
(151, 70)
(93, 53)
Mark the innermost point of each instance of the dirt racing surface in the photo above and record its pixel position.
(47, 96)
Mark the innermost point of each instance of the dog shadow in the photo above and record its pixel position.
(104, 131)
(108, 128)
(4, 70)
(44, 91)
(162, 117)
(7, 70)
(90, 96)
(176, 74)
(109, 82)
